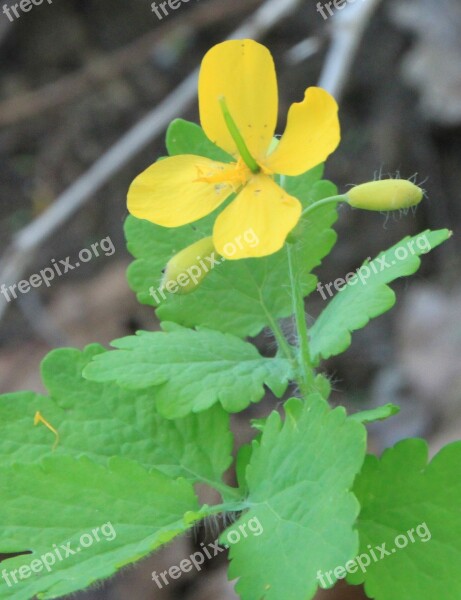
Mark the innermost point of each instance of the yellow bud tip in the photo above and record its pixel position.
(389, 194)
(187, 269)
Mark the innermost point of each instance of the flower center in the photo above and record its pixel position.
(238, 138)
(234, 174)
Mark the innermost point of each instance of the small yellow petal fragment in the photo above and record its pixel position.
(389, 194)
(40, 419)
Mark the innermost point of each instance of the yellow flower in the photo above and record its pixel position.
(238, 103)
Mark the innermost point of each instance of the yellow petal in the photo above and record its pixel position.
(311, 135)
(241, 71)
(257, 222)
(168, 193)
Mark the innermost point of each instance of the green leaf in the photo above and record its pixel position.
(240, 297)
(368, 296)
(299, 480)
(404, 499)
(46, 507)
(184, 137)
(243, 459)
(376, 414)
(192, 370)
(103, 420)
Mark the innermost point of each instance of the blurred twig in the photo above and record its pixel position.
(304, 50)
(347, 29)
(21, 251)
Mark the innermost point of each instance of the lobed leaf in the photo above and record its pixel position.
(104, 420)
(411, 520)
(191, 370)
(299, 481)
(58, 504)
(369, 296)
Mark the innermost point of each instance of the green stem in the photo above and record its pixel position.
(330, 200)
(282, 343)
(216, 509)
(238, 138)
(306, 371)
(227, 492)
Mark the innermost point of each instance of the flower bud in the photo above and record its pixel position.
(187, 269)
(389, 194)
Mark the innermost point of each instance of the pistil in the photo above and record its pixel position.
(238, 138)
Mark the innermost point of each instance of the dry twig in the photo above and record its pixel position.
(347, 29)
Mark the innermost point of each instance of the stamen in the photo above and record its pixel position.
(234, 175)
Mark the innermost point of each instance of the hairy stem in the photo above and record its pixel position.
(227, 492)
(306, 371)
(282, 343)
